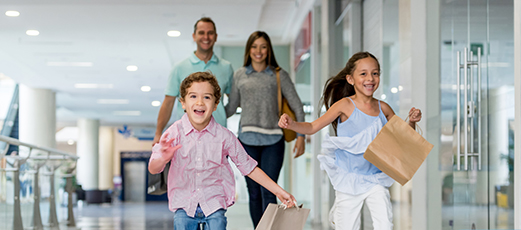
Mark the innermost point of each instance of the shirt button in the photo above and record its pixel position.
(197, 174)
(197, 189)
(199, 159)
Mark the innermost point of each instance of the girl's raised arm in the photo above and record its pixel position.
(309, 128)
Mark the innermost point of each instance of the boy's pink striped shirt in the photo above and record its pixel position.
(199, 171)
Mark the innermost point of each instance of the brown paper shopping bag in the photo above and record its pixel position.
(277, 218)
(398, 150)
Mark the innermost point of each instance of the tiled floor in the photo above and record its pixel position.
(149, 216)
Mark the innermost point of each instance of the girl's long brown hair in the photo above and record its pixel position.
(337, 87)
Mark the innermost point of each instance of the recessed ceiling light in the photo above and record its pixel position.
(173, 33)
(12, 13)
(127, 113)
(156, 103)
(74, 64)
(145, 88)
(131, 68)
(70, 142)
(32, 32)
(113, 101)
(92, 86)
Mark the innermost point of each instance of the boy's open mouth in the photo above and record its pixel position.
(199, 112)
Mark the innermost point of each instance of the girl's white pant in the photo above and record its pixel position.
(346, 211)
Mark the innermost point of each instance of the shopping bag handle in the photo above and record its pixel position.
(420, 131)
(296, 206)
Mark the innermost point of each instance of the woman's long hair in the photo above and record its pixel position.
(270, 60)
(337, 87)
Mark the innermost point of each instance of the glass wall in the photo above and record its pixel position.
(477, 96)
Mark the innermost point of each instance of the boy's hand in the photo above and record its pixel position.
(415, 115)
(287, 199)
(166, 147)
(285, 121)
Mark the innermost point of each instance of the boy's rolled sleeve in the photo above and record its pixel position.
(239, 156)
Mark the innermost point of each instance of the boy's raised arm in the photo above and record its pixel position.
(166, 152)
(260, 177)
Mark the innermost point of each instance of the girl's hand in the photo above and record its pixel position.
(166, 147)
(415, 115)
(287, 199)
(285, 121)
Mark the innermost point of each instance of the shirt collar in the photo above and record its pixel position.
(194, 59)
(211, 128)
(249, 70)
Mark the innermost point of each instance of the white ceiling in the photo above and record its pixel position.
(112, 34)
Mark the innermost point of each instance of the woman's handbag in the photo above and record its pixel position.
(289, 135)
(157, 183)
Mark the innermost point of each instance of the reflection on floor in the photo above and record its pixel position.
(156, 216)
(152, 215)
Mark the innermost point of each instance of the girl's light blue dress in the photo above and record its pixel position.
(343, 156)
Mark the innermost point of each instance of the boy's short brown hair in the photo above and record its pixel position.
(201, 77)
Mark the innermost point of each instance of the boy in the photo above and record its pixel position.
(201, 185)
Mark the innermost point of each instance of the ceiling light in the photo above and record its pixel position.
(394, 90)
(173, 33)
(74, 64)
(12, 13)
(145, 88)
(32, 32)
(92, 86)
(156, 103)
(131, 68)
(113, 101)
(383, 96)
(70, 142)
(305, 56)
(127, 113)
(400, 88)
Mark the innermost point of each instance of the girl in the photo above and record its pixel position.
(255, 88)
(357, 117)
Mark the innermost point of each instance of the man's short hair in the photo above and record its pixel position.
(206, 76)
(205, 19)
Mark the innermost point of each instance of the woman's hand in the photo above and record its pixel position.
(300, 146)
(166, 147)
(285, 121)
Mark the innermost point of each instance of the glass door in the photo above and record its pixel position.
(477, 97)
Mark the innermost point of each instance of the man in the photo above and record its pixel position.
(205, 36)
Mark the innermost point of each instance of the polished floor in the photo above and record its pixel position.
(156, 216)
(150, 215)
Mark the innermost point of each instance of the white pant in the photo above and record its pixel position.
(346, 211)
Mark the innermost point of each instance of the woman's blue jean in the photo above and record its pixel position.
(215, 221)
(269, 159)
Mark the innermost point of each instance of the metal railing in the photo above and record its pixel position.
(39, 156)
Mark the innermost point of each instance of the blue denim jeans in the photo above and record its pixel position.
(215, 221)
(269, 159)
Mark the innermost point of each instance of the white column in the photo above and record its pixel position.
(37, 116)
(87, 150)
(517, 124)
(422, 91)
(106, 156)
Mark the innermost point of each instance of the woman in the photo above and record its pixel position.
(255, 90)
